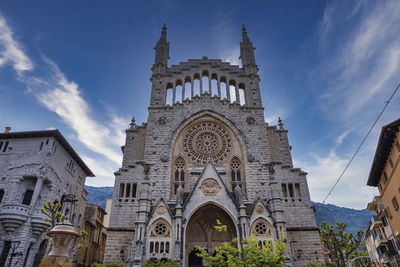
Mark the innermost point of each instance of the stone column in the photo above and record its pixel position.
(201, 85)
(243, 220)
(141, 222)
(37, 190)
(183, 92)
(173, 94)
(192, 88)
(237, 94)
(228, 91)
(219, 88)
(178, 227)
(209, 86)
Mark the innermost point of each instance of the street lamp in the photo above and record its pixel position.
(71, 199)
(14, 246)
(122, 254)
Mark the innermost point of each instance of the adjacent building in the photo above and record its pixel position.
(207, 154)
(379, 236)
(36, 167)
(93, 245)
(385, 174)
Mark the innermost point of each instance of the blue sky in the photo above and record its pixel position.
(326, 67)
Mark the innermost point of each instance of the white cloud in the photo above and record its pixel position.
(340, 138)
(363, 68)
(360, 63)
(225, 35)
(231, 55)
(100, 168)
(59, 95)
(323, 171)
(64, 98)
(10, 50)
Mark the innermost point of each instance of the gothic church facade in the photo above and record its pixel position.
(206, 153)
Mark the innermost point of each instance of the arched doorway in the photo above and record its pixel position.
(200, 231)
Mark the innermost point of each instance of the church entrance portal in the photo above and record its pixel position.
(200, 231)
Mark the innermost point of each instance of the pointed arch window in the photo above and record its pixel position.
(236, 173)
(179, 174)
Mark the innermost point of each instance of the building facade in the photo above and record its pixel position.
(379, 236)
(385, 174)
(207, 154)
(93, 245)
(36, 167)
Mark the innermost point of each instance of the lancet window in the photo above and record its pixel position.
(160, 239)
(236, 173)
(179, 174)
(263, 231)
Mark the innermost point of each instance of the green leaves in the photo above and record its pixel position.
(220, 227)
(271, 254)
(160, 263)
(52, 210)
(341, 245)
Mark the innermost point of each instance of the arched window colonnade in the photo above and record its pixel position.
(197, 85)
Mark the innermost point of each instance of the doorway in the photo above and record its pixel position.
(200, 231)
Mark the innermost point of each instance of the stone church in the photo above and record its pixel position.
(206, 153)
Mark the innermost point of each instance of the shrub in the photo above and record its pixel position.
(160, 263)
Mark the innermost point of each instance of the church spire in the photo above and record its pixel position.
(162, 49)
(247, 52)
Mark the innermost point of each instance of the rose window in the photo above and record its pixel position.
(206, 141)
(261, 228)
(160, 229)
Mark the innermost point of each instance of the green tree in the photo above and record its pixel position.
(272, 254)
(342, 246)
(52, 210)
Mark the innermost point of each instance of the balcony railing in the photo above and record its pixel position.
(376, 221)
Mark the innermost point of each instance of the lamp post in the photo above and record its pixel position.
(71, 199)
(14, 245)
(122, 254)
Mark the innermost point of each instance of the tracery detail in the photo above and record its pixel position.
(179, 174)
(206, 141)
(160, 229)
(261, 228)
(236, 173)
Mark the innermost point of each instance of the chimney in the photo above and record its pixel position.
(7, 130)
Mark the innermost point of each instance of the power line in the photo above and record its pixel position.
(363, 141)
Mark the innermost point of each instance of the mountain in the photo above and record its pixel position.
(355, 219)
(98, 195)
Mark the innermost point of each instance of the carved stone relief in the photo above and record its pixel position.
(259, 208)
(161, 209)
(210, 187)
